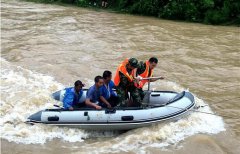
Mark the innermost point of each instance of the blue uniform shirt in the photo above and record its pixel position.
(94, 94)
(107, 90)
(71, 98)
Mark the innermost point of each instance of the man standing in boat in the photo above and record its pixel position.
(72, 96)
(145, 70)
(94, 94)
(124, 81)
(107, 89)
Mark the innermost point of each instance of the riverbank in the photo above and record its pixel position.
(207, 12)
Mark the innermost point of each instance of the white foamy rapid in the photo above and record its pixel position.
(164, 134)
(24, 92)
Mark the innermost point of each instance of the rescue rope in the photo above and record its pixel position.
(194, 110)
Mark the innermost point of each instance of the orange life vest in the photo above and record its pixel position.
(147, 73)
(122, 68)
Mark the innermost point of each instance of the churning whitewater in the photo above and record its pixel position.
(25, 92)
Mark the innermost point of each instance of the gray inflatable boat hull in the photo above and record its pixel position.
(163, 106)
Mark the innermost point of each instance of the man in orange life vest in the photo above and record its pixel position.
(145, 70)
(124, 81)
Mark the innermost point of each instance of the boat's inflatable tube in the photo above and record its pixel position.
(163, 105)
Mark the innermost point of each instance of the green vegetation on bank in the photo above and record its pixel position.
(204, 11)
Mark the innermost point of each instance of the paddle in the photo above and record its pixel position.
(149, 78)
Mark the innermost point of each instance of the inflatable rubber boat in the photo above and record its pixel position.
(158, 106)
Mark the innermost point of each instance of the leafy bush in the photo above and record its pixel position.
(207, 11)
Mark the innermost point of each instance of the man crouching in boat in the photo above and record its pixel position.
(145, 70)
(94, 94)
(72, 96)
(124, 81)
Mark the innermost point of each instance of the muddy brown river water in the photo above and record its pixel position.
(47, 47)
